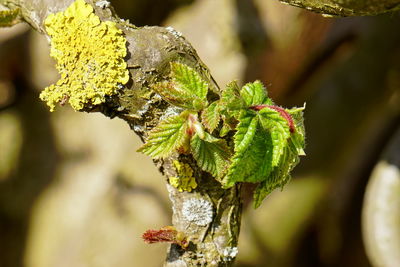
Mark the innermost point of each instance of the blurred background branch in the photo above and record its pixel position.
(345, 8)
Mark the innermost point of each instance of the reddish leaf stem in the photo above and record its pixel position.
(281, 111)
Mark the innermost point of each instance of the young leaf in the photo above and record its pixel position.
(252, 164)
(278, 178)
(272, 121)
(297, 144)
(230, 97)
(297, 138)
(253, 152)
(254, 93)
(174, 95)
(210, 116)
(189, 80)
(166, 137)
(226, 127)
(212, 154)
(245, 131)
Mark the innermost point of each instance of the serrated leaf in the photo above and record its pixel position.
(210, 117)
(174, 95)
(278, 177)
(254, 93)
(189, 80)
(272, 121)
(298, 138)
(297, 144)
(225, 129)
(292, 148)
(252, 164)
(212, 154)
(230, 97)
(166, 137)
(245, 130)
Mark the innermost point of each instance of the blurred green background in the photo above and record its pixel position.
(74, 193)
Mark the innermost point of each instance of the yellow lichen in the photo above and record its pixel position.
(185, 180)
(89, 54)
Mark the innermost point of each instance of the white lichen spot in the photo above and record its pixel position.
(171, 111)
(138, 128)
(103, 4)
(197, 211)
(174, 32)
(230, 253)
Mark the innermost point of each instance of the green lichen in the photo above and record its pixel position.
(9, 18)
(185, 180)
(89, 54)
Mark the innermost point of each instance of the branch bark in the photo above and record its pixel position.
(346, 8)
(150, 49)
(381, 208)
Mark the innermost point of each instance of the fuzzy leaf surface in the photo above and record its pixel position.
(245, 131)
(298, 138)
(254, 163)
(273, 122)
(278, 178)
(175, 95)
(254, 93)
(212, 154)
(188, 80)
(210, 116)
(225, 129)
(230, 97)
(166, 137)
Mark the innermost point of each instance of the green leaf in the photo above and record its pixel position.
(225, 129)
(297, 144)
(188, 80)
(166, 137)
(174, 95)
(272, 121)
(298, 138)
(254, 93)
(9, 18)
(278, 178)
(212, 154)
(291, 151)
(230, 97)
(252, 164)
(210, 116)
(245, 131)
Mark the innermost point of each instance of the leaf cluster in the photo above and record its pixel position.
(267, 140)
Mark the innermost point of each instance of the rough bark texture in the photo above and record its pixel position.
(345, 8)
(150, 50)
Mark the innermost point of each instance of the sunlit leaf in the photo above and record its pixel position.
(188, 80)
(252, 164)
(254, 93)
(278, 178)
(166, 137)
(174, 95)
(210, 117)
(212, 154)
(272, 121)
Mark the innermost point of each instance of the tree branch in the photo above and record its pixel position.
(346, 8)
(150, 50)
